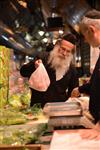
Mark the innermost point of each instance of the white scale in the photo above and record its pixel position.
(66, 114)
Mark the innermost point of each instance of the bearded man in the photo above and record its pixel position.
(60, 69)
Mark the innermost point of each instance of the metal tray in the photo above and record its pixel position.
(62, 109)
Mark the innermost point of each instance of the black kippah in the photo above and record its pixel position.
(70, 37)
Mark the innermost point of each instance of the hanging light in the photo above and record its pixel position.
(61, 31)
(45, 40)
(55, 21)
(41, 33)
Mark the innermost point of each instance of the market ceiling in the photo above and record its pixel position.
(21, 20)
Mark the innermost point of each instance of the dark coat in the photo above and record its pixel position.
(93, 89)
(57, 90)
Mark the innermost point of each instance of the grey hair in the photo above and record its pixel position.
(89, 21)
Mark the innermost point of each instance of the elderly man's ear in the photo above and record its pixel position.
(91, 28)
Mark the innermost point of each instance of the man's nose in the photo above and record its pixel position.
(64, 53)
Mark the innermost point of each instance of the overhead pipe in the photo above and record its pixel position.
(74, 11)
(12, 40)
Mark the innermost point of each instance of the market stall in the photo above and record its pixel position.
(22, 126)
(29, 27)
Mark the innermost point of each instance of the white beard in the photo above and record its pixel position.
(61, 65)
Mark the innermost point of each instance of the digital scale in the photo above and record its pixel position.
(64, 114)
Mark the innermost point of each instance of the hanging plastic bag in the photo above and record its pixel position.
(39, 80)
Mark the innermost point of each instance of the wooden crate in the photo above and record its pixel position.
(22, 147)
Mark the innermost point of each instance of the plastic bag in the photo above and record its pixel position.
(39, 80)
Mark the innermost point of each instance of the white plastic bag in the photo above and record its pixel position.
(39, 80)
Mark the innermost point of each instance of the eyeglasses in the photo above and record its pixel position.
(66, 50)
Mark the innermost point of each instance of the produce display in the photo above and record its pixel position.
(11, 116)
(4, 75)
(13, 89)
(21, 136)
(19, 92)
(15, 111)
(15, 128)
(19, 100)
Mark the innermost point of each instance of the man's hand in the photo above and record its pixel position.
(91, 133)
(75, 92)
(37, 63)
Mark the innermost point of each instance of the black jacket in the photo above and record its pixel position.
(93, 89)
(57, 90)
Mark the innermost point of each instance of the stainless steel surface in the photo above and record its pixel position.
(62, 109)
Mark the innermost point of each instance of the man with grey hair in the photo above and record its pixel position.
(90, 28)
